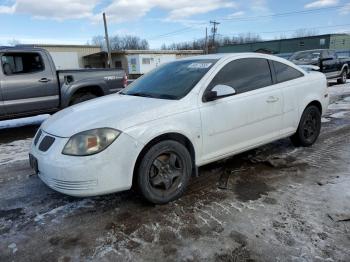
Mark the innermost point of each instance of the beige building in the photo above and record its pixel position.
(69, 56)
(137, 62)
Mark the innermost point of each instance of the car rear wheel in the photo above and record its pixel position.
(309, 127)
(81, 97)
(343, 77)
(164, 172)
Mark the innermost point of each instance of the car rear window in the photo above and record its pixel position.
(285, 72)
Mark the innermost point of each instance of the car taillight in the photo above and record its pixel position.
(125, 80)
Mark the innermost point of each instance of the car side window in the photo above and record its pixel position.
(244, 75)
(21, 63)
(285, 72)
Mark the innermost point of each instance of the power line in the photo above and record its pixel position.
(284, 14)
(298, 12)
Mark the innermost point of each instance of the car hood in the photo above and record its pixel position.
(114, 111)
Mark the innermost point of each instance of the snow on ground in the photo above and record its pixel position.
(14, 151)
(34, 120)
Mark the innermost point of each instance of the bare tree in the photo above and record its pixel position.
(199, 44)
(303, 32)
(13, 42)
(122, 42)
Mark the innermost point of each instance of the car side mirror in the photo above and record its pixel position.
(219, 91)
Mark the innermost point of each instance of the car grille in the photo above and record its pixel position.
(59, 184)
(37, 137)
(46, 143)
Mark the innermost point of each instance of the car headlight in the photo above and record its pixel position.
(90, 142)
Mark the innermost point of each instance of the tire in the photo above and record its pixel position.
(164, 172)
(343, 77)
(81, 97)
(309, 127)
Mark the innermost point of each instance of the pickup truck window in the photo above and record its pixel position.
(285, 72)
(306, 56)
(21, 63)
(244, 75)
(173, 80)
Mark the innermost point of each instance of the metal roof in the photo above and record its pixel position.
(135, 52)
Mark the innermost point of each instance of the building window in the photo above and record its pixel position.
(118, 64)
(301, 43)
(146, 61)
(343, 41)
(133, 61)
(322, 41)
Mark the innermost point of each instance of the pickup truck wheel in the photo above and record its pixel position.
(343, 77)
(309, 127)
(164, 172)
(81, 97)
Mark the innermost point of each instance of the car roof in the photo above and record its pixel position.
(220, 56)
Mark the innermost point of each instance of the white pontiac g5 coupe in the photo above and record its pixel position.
(182, 115)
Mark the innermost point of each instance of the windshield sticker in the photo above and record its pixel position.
(200, 65)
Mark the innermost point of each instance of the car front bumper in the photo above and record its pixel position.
(106, 172)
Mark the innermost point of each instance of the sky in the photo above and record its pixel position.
(165, 21)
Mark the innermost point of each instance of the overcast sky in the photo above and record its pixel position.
(164, 21)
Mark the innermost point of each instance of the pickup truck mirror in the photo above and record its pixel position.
(219, 91)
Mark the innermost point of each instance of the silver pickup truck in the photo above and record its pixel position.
(30, 83)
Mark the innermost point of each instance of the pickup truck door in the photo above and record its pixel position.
(28, 82)
(331, 68)
(251, 117)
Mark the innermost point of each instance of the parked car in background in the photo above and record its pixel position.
(30, 83)
(182, 115)
(325, 61)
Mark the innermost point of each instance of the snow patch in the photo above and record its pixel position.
(34, 120)
(65, 209)
(340, 114)
(14, 248)
(14, 151)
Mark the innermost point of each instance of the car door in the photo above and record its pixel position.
(251, 117)
(28, 83)
(290, 81)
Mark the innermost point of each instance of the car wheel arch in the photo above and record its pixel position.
(315, 103)
(163, 137)
(94, 89)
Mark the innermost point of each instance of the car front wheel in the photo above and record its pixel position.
(309, 127)
(164, 172)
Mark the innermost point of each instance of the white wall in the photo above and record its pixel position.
(65, 60)
(154, 60)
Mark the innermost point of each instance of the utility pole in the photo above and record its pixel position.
(107, 42)
(206, 41)
(214, 30)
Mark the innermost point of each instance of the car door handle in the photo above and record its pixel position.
(44, 80)
(272, 99)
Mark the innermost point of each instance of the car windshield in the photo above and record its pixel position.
(306, 56)
(173, 80)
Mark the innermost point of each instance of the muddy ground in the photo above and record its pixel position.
(274, 203)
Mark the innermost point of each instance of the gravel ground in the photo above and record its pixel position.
(274, 203)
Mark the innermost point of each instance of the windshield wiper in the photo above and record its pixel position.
(139, 94)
